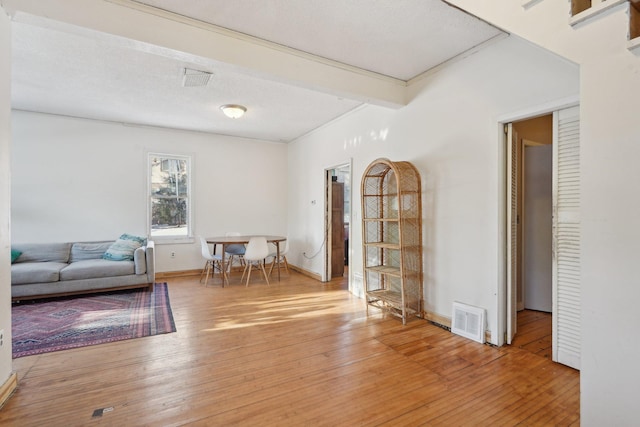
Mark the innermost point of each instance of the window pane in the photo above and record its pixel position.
(169, 217)
(170, 203)
(168, 177)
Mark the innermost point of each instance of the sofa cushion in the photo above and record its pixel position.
(89, 250)
(94, 268)
(123, 248)
(23, 273)
(43, 252)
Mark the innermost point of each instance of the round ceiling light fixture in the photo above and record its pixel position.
(234, 111)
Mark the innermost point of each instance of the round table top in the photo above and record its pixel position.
(243, 239)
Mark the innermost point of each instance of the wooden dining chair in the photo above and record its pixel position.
(254, 256)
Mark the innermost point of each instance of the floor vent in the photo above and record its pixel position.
(468, 321)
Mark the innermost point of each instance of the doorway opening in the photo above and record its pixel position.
(563, 247)
(532, 183)
(337, 221)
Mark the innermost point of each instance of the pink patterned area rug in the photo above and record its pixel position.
(43, 326)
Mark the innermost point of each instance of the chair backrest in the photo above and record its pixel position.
(204, 248)
(236, 248)
(257, 249)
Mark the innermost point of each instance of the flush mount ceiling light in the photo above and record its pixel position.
(234, 111)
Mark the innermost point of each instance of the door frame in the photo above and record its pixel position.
(326, 269)
(499, 338)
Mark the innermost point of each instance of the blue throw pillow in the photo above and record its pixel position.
(14, 255)
(123, 248)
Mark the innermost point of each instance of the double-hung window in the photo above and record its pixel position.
(169, 196)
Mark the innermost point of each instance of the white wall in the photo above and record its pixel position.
(450, 132)
(5, 195)
(77, 179)
(611, 242)
(610, 206)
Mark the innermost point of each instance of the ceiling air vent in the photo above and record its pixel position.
(193, 78)
(468, 321)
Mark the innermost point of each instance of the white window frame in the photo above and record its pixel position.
(169, 239)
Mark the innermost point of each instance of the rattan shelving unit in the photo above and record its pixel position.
(392, 237)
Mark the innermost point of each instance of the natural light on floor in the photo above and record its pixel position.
(288, 309)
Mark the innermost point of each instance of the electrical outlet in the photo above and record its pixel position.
(173, 254)
(1, 337)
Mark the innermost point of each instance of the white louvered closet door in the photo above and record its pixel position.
(512, 231)
(566, 237)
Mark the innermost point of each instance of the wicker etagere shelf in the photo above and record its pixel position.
(392, 237)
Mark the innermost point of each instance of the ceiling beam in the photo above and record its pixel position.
(164, 33)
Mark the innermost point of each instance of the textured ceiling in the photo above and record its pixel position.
(397, 38)
(64, 69)
(74, 75)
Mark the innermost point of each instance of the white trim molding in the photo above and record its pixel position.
(594, 11)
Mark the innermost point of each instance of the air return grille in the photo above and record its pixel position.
(193, 78)
(468, 321)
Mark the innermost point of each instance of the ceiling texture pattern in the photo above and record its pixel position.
(106, 74)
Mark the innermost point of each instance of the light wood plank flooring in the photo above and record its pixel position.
(295, 353)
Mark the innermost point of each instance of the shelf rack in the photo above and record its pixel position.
(392, 237)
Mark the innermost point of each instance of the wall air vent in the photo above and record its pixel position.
(468, 321)
(192, 78)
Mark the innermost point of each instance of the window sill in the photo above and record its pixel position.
(168, 240)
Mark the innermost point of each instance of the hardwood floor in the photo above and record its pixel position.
(534, 332)
(295, 353)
